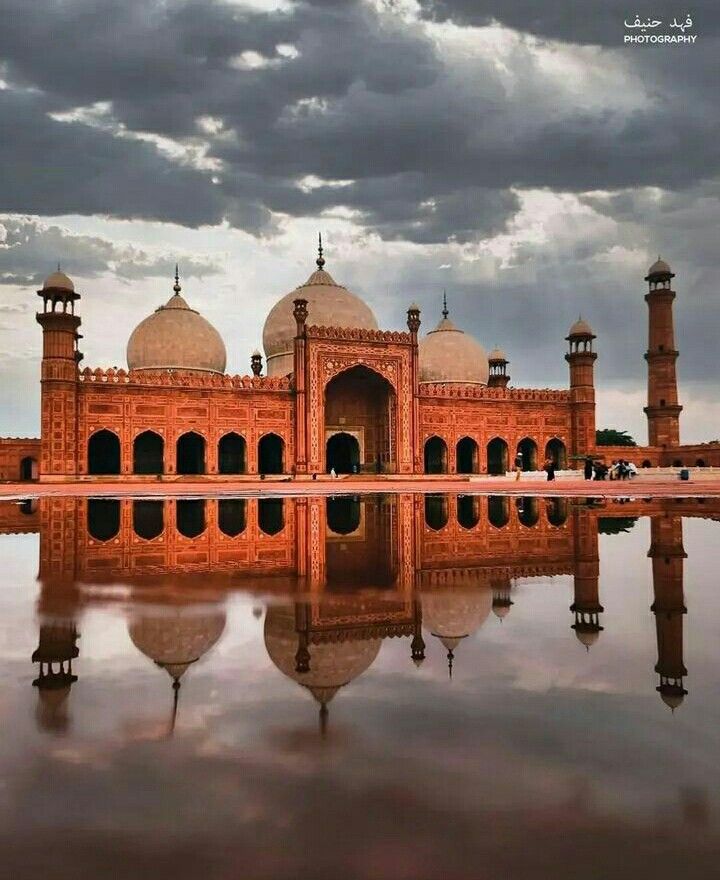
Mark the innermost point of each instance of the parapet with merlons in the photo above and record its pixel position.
(182, 379)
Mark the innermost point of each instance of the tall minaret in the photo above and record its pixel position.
(581, 358)
(662, 410)
(668, 555)
(59, 377)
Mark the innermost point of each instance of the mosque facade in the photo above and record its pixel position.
(334, 392)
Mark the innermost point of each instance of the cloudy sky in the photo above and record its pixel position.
(513, 152)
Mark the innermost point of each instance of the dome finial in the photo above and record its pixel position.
(320, 261)
(176, 286)
(445, 311)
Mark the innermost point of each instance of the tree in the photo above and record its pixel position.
(613, 437)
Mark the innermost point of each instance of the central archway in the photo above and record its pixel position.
(342, 452)
(359, 407)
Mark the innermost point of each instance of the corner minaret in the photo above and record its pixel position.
(662, 410)
(59, 377)
(581, 359)
(498, 363)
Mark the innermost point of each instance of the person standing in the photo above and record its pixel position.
(549, 468)
(518, 465)
(588, 468)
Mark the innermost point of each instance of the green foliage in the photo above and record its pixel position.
(613, 437)
(614, 525)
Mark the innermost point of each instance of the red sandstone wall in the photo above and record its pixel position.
(12, 451)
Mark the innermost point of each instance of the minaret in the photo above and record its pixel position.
(413, 323)
(581, 358)
(586, 605)
(59, 377)
(498, 362)
(55, 653)
(662, 410)
(667, 554)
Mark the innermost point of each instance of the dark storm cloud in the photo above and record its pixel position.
(431, 145)
(29, 250)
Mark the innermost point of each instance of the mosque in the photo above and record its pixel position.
(337, 393)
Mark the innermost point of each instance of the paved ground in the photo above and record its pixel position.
(639, 487)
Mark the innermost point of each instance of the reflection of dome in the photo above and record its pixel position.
(674, 701)
(659, 267)
(59, 281)
(176, 637)
(587, 636)
(328, 303)
(580, 328)
(448, 354)
(456, 612)
(332, 664)
(176, 337)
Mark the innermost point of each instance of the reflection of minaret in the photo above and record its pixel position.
(586, 605)
(55, 652)
(667, 554)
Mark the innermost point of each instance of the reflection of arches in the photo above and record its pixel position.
(436, 511)
(231, 516)
(190, 517)
(343, 453)
(232, 454)
(528, 511)
(103, 518)
(557, 511)
(528, 449)
(555, 451)
(28, 468)
(148, 449)
(498, 510)
(361, 401)
(148, 519)
(468, 511)
(271, 454)
(468, 456)
(647, 463)
(271, 515)
(28, 506)
(191, 453)
(104, 453)
(343, 515)
(497, 456)
(436, 456)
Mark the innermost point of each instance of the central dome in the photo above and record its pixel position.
(329, 305)
(448, 354)
(176, 337)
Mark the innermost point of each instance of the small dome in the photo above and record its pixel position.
(452, 615)
(177, 637)
(332, 664)
(587, 637)
(497, 355)
(580, 328)
(448, 354)
(659, 267)
(58, 281)
(674, 701)
(501, 611)
(329, 305)
(176, 337)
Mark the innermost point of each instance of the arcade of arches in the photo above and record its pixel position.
(497, 460)
(359, 422)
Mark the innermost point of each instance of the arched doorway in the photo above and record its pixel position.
(148, 519)
(497, 456)
(190, 517)
(28, 469)
(555, 451)
(498, 511)
(436, 511)
(468, 511)
(271, 454)
(231, 516)
(647, 463)
(528, 449)
(343, 453)
(232, 455)
(436, 456)
(103, 518)
(467, 456)
(148, 450)
(700, 462)
(361, 402)
(343, 515)
(190, 454)
(271, 515)
(557, 511)
(528, 511)
(104, 453)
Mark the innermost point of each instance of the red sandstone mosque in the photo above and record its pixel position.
(339, 393)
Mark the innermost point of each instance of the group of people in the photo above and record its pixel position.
(549, 466)
(620, 469)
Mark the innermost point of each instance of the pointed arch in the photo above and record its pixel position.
(148, 453)
(103, 453)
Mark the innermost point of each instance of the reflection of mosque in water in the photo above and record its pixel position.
(427, 568)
